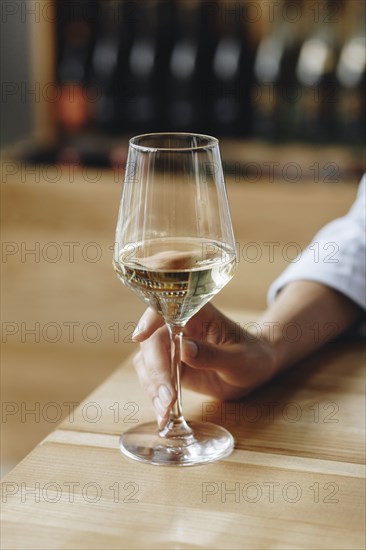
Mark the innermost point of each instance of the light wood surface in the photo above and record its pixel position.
(59, 204)
(297, 471)
(295, 479)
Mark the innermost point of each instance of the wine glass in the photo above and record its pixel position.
(175, 249)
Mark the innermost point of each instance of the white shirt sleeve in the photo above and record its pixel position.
(336, 257)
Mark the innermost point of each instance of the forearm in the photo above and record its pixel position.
(304, 316)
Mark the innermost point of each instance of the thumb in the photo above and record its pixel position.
(201, 355)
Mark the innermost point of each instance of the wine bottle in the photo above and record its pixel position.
(316, 72)
(75, 31)
(351, 76)
(183, 105)
(137, 68)
(230, 78)
(276, 89)
(104, 64)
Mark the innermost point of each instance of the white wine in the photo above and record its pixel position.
(176, 277)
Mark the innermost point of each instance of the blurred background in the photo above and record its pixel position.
(281, 83)
(84, 73)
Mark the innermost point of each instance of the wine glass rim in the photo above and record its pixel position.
(211, 142)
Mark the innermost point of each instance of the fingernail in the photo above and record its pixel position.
(138, 330)
(159, 407)
(165, 395)
(190, 348)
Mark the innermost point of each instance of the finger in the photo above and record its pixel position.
(211, 383)
(162, 414)
(147, 325)
(204, 355)
(153, 369)
(229, 361)
(243, 366)
(210, 325)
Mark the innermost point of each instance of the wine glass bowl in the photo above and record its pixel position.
(175, 249)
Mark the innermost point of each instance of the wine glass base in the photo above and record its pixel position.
(208, 443)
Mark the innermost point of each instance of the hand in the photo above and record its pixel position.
(219, 358)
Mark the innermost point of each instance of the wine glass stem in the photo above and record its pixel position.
(177, 426)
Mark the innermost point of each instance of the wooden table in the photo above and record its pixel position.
(294, 480)
(46, 210)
